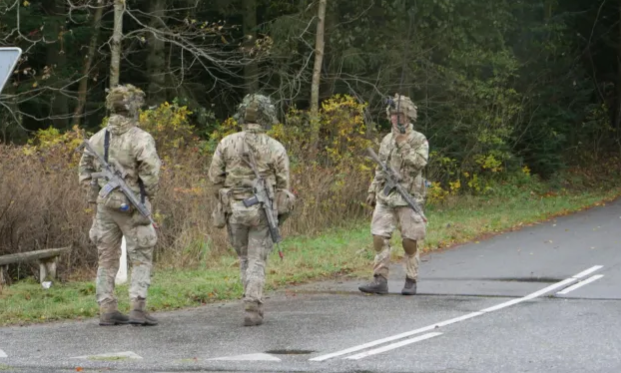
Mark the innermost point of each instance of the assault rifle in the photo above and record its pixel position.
(260, 191)
(392, 182)
(116, 179)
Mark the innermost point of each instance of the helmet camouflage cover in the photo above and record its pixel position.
(401, 104)
(125, 99)
(256, 108)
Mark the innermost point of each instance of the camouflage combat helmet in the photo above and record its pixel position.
(401, 104)
(256, 108)
(125, 99)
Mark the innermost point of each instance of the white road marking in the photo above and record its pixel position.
(111, 356)
(393, 346)
(588, 271)
(580, 284)
(3, 354)
(395, 337)
(249, 357)
(512, 302)
(534, 295)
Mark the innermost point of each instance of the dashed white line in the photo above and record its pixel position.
(3, 354)
(120, 355)
(393, 346)
(512, 302)
(580, 284)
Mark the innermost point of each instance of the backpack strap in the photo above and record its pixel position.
(106, 145)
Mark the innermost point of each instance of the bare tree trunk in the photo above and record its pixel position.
(319, 46)
(115, 48)
(618, 124)
(251, 71)
(82, 89)
(56, 60)
(618, 119)
(156, 61)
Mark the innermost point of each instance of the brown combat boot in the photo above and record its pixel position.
(379, 285)
(410, 287)
(254, 314)
(139, 315)
(109, 315)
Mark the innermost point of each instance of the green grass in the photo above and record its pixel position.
(344, 252)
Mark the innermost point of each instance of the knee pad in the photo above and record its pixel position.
(379, 243)
(409, 246)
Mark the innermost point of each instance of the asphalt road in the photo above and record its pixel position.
(545, 299)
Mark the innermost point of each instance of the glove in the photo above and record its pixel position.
(401, 139)
(371, 199)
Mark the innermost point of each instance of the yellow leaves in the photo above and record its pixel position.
(489, 162)
(526, 170)
(436, 194)
(454, 186)
(169, 124)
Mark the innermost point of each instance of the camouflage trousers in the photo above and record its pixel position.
(412, 227)
(250, 237)
(106, 233)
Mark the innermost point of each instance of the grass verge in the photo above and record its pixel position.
(339, 252)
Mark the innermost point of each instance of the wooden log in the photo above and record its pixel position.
(32, 255)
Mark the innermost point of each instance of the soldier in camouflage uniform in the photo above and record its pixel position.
(232, 176)
(407, 153)
(133, 150)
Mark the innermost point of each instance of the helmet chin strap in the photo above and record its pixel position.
(400, 126)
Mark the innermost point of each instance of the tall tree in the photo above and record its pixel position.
(251, 71)
(56, 61)
(88, 64)
(319, 48)
(156, 61)
(115, 46)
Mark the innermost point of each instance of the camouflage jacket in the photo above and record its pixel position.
(229, 170)
(132, 148)
(408, 160)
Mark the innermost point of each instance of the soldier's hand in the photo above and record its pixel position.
(401, 138)
(371, 199)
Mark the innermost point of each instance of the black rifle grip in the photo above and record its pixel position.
(251, 201)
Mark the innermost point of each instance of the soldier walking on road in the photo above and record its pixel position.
(406, 150)
(231, 172)
(126, 147)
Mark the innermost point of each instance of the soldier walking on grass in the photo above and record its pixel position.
(406, 151)
(233, 171)
(131, 152)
